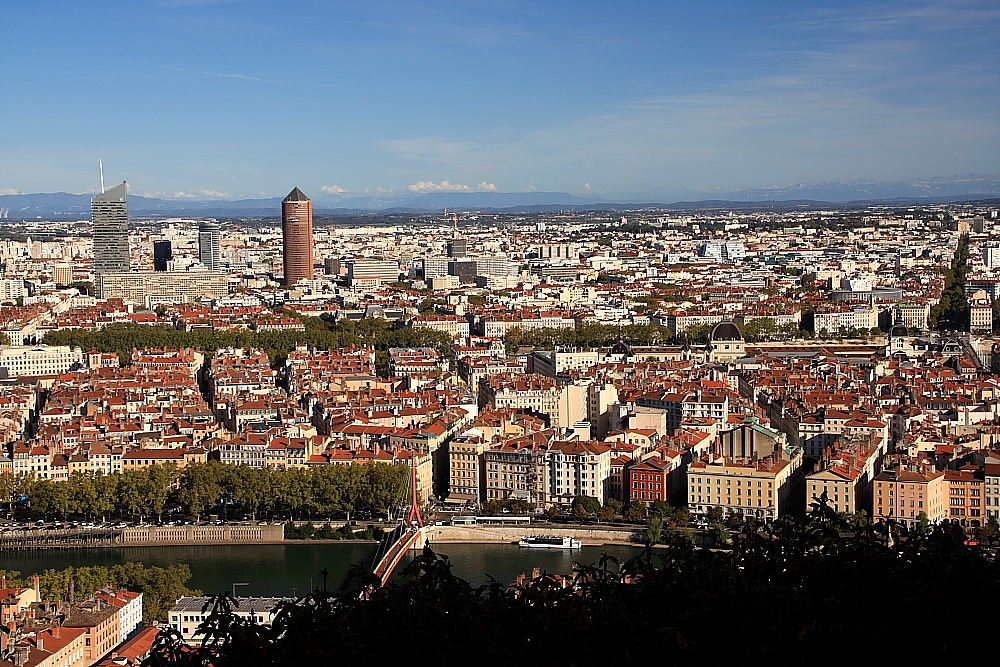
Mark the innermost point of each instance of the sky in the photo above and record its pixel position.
(249, 98)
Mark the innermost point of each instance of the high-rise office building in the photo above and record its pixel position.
(457, 246)
(210, 245)
(109, 214)
(163, 253)
(297, 237)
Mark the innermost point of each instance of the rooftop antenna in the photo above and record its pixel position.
(101, 162)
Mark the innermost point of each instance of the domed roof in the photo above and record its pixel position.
(726, 330)
(622, 349)
(899, 331)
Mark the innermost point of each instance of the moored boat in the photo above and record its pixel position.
(549, 542)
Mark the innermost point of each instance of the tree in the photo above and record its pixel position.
(306, 531)
(660, 509)
(635, 511)
(160, 479)
(251, 487)
(923, 524)
(682, 515)
(715, 513)
(720, 534)
(201, 486)
(990, 532)
(291, 531)
(13, 487)
(50, 498)
(655, 609)
(590, 504)
(654, 531)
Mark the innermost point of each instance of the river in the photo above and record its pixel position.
(284, 570)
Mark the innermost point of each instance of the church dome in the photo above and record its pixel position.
(621, 349)
(726, 330)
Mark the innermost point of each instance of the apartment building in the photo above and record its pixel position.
(455, 325)
(681, 406)
(966, 496)
(558, 362)
(578, 468)
(518, 469)
(151, 288)
(100, 621)
(991, 490)
(912, 315)
(466, 472)
(759, 488)
(903, 495)
(658, 477)
(528, 392)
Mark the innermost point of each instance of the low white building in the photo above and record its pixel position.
(189, 612)
(34, 360)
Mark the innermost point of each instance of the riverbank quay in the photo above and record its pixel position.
(167, 536)
(589, 536)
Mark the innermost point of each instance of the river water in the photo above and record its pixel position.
(290, 569)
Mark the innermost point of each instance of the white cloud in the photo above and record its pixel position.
(446, 186)
(586, 186)
(443, 186)
(530, 188)
(180, 194)
(333, 190)
(10, 191)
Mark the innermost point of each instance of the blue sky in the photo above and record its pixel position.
(245, 98)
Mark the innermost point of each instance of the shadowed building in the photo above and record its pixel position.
(109, 213)
(163, 254)
(297, 237)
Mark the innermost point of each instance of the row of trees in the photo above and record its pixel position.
(160, 586)
(952, 312)
(200, 488)
(319, 334)
(754, 331)
(588, 335)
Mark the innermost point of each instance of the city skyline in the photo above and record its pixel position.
(644, 103)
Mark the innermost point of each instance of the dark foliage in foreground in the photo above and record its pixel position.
(790, 593)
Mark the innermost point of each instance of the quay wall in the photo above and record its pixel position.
(506, 534)
(171, 535)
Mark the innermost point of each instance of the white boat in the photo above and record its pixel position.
(549, 542)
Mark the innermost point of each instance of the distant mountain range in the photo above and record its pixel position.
(955, 188)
